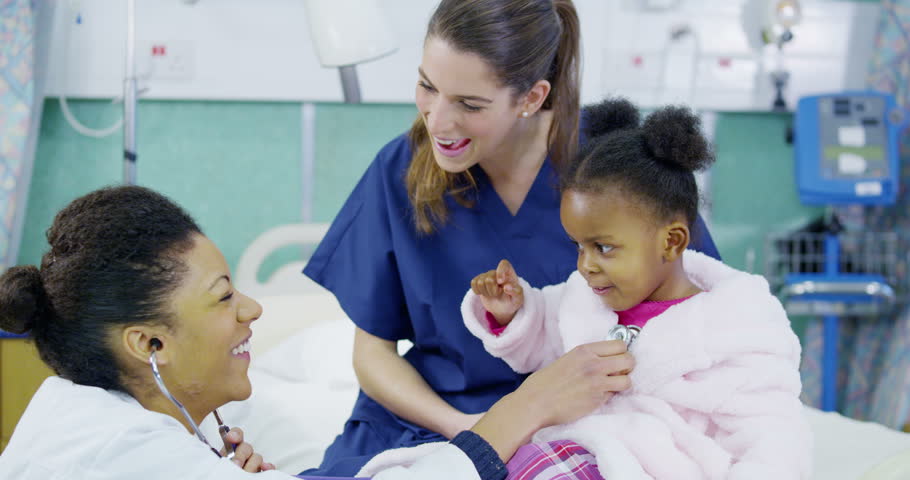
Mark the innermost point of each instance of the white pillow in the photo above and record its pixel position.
(321, 353)
(897, 467)
(289, 423)
(306, 338)
(846, 448)
(285, 315)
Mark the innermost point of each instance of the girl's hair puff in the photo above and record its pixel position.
(653, 162)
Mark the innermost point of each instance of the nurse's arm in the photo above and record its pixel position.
(390, 380)
(569, 388)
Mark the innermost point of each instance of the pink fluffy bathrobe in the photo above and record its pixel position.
(715, 388)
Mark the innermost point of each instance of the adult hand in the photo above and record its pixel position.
(569, 388)
(244, 456)
(579, 382)
(500, 292)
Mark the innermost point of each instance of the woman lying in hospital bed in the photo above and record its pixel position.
(134, 308)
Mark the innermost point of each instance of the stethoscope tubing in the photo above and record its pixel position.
(222, 429)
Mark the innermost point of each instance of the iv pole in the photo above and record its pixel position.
(129, 98)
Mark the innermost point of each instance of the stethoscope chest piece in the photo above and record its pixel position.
(626, 333)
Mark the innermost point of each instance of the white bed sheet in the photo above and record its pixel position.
(304, 388)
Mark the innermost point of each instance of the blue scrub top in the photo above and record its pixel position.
(396, 283)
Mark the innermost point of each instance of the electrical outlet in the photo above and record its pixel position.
(166, 60)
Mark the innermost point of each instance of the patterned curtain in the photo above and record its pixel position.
(874, 377)
(18, 119)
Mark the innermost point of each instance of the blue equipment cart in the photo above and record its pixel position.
(846, 152)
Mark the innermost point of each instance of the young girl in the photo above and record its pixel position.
(715, 386)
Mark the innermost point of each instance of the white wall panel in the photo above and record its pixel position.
(260, 50)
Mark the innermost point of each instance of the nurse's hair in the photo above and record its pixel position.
(652, 162)
(523, 41)
(113, 261)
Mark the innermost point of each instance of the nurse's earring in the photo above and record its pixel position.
(524, 114)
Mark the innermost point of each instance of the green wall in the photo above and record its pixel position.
(347, 139)
(752, 185)
(236, 167)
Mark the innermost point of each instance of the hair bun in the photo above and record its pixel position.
(673, 135)
(22, 299)
(608, 116)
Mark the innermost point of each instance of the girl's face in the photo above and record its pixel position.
(621, 249)
(468, 115)
(208, 351)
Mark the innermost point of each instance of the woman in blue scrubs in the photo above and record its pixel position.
(473, 182)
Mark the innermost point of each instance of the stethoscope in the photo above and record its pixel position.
(222, 428)
(626, 333)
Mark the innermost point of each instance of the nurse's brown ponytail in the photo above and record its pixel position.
(523, 41)
(564, 98)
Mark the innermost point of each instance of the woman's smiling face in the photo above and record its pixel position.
(467, 113)
(209, 349)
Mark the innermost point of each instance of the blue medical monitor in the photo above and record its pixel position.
(846, 148)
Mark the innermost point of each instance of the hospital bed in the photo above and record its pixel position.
(304, 385)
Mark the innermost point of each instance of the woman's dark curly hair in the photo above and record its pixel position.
(113, 261)
(653, 161)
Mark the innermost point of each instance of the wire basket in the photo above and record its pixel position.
(862, 256)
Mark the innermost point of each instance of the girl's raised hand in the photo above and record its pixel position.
(500, 292)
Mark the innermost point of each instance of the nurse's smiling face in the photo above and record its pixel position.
(468, 114)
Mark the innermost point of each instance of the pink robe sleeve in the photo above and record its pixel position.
(531, 341)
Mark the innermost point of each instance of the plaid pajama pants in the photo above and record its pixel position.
(559, 460)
